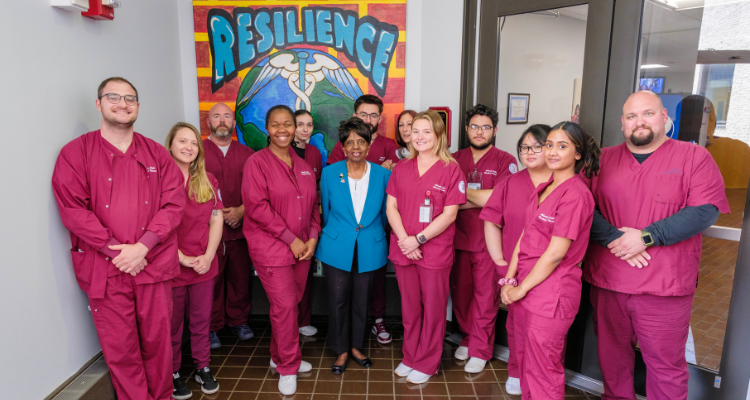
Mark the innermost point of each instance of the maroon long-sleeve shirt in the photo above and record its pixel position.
(107, 197)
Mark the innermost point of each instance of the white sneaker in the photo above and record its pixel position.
(462, 353)
(304, 366)
(475, 365)
(402, 370)
(513, 386)
(287, 384)
(308, 330)
(417, 377)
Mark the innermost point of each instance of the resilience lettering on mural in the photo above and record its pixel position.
(237, 41)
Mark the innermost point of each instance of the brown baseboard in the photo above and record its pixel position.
(91, 382)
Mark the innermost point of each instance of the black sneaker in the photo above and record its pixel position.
(207, 381)
(181, 390)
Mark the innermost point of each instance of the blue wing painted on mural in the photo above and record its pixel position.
(267, 74)
(342, 80)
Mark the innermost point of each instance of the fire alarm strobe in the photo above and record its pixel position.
(99, 11)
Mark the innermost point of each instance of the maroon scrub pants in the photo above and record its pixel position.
(133, 325)
(540, 353)
(195, 301)
(424, 299)
(659, 324)
(284, 287)
(475, 295)
(233, 284)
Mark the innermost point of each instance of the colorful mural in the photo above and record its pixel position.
(318, 56)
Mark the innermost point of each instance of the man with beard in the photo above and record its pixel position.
(121, 196)
(654, 197)
(225, 159)
(473, 278)
(369, 108)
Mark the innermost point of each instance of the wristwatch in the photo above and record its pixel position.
(421, 238)
(647, 239)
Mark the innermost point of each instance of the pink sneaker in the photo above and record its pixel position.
(379, 330)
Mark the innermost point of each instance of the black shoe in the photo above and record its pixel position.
(207, 381)
(339, 369)
(365, 362)
(181, 391)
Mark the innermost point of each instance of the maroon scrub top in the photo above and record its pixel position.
(314, 160)
(192, 235)
(493, 166)
(567, 212)
(630, 194)
(447, 187)
(107, 197)
(507, 207)
(228, 172)
(383, 148)
(281, 204)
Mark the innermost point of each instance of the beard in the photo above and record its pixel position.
(642, 141)
(374, 128)
(483, 146)
(219, 132)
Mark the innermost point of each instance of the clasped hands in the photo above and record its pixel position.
(132, 258)
(410, 248)
(233, 216)
(200, 264)
(303, 250)
(630, 248)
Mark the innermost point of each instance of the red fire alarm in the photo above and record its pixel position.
(99, 11)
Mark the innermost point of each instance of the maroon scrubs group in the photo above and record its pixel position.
(107, 197)
(474, 275)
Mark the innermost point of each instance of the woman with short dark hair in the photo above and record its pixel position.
(352, 245)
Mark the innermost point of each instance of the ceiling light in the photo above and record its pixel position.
(653, 66)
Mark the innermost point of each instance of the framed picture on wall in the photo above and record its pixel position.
(518, 108)
(445, 113)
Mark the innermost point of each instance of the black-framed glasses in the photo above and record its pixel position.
(484, 128)
(114, 98)
(537, 148)
(364, 115)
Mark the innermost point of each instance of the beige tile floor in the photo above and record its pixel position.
(242, 369)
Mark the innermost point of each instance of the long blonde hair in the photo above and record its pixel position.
(199, 186)
(441, 137)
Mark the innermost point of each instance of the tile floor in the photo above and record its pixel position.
(242, 369)
(711, 303)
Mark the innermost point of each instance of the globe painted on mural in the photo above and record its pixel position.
(328, 91)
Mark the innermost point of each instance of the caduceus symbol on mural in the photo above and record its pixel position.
(313, 68)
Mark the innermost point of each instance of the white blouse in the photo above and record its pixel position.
(358, 190)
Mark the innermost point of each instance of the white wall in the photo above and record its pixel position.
(53, 63)
(539, 55)
(433, 64)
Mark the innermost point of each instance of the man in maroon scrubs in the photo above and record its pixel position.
(369, 108)
(121, 196)
(654, 197)
(225, 159)
(474, 288)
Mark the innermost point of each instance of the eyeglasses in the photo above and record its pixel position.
(359, 142)
(114, 98)
(485, 128)
(537, 148)
(364, 115)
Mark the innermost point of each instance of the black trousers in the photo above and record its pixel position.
(348, 306)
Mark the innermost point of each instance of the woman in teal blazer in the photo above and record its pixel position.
(352, 245)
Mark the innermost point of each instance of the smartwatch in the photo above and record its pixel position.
(421, 238)
(647, 239)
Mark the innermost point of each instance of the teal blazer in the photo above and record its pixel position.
(340, 228)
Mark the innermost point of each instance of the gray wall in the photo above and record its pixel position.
(52, 64)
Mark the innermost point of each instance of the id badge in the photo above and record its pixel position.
(475, 180)
(425, 210)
